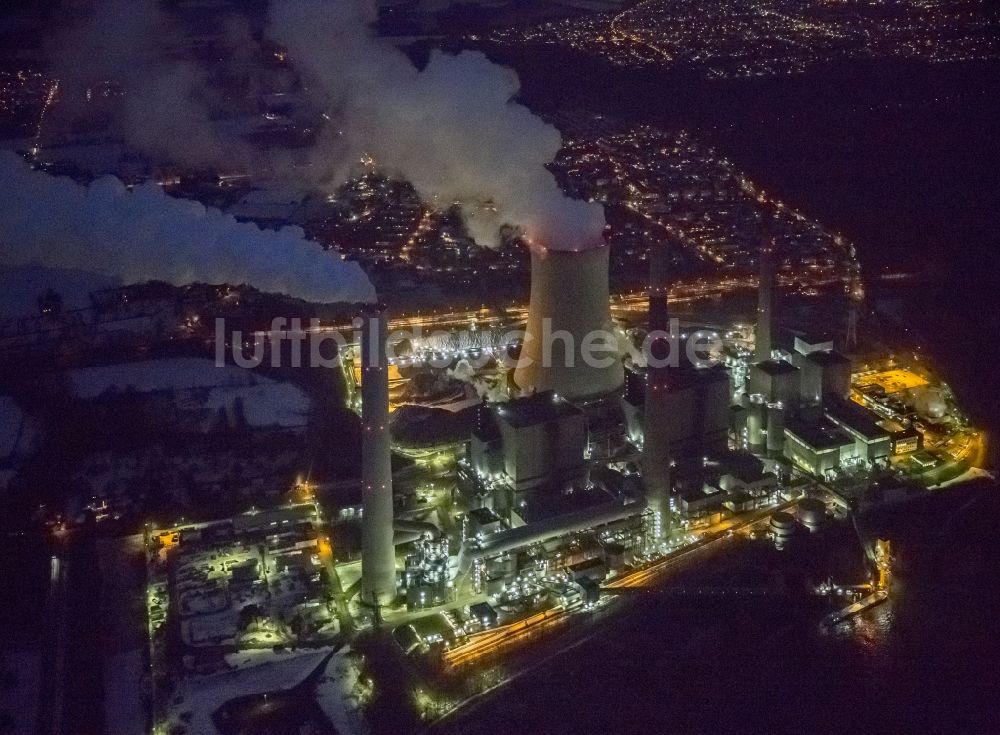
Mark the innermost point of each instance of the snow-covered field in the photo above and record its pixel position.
(265, 402)
(336, 695)
(159, 375)
(266, 671)
(200, 696)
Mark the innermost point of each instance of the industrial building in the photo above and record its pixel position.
(823, 374)
(823, 371)
(697, 404)
(774, 384)
(529, 442)
(608, 529)
(741, 472)
(538, 504)
(817, 446)
(872, 442)
(729, 481)
(804, 344)
(905, 439)
(842, 431)
(777, 381)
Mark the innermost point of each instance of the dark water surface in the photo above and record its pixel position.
(925, 662)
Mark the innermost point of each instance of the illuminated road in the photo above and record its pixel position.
(498, 640)
(53, 697)
(618, 33)
(624, 306)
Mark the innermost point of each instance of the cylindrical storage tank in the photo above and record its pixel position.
(569, 308)
(378, 556)
(812, 513)
(756, 424)
(783, 527)
(775, 429)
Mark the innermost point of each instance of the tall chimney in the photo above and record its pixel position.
(659, 287)
(763, 342)
(656, 444)
(378, 558)
(569, 301)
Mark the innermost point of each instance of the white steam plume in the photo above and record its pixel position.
(450, 129)
(143, 234)
(166, 101)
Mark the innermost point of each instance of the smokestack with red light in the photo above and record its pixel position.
(378, 558)
(569, 310)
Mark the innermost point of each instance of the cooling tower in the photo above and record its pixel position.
(569, 304)
(378, 559)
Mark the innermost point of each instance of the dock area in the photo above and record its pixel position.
(865, 603)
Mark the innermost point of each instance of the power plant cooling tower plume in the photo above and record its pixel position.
(656, 444)
(142, 234)
(569, 318)
(451, 128)
(765, 302)
(378, 561)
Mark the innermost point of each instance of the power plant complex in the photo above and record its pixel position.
(347, 375)
(591, 463)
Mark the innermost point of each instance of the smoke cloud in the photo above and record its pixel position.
(451, 129)
(130, 50)
(143, 234)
